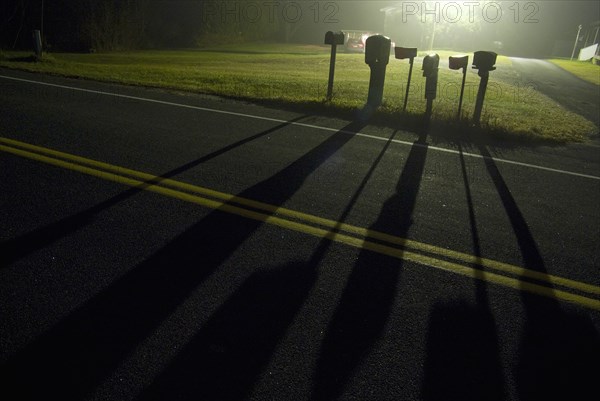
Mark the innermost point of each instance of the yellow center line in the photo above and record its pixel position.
(159, 185)
(359, 231)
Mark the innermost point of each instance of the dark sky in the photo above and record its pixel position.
(561, 18)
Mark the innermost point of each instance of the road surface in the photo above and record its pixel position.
(170, 246)
(566, 89)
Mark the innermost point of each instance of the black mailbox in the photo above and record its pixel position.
(484, 61)
(377, 56)
(431, 64)
(334, 38)
(458, 62)
(405, 52)
(377, 50)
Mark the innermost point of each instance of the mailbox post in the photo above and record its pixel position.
(333, 39)
(377, 56)
(431, 64)
(410, 53)
(456, 63)
(483, 62)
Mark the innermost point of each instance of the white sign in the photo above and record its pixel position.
(587, 52)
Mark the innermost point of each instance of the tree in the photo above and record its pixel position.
(113, 24)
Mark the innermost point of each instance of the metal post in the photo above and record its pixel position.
(376, 84)
(410, 53)
(429, 108)
(462, 90)
(480, 95)
(411, 60)
(331, 71)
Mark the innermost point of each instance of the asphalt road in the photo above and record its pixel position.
(566, 89)
(170, 246)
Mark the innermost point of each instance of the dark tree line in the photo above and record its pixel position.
(73, 24)
(83, 25)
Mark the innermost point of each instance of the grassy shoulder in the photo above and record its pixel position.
(296, 76)
(582, 69)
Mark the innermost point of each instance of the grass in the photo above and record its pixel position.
(296, 76)
(583, 69)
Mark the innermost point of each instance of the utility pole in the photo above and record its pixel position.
(576, 40)
(42, 25)
(432, 37)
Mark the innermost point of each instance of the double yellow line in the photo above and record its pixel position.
(424, 254)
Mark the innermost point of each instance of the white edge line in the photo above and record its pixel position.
(317, 127)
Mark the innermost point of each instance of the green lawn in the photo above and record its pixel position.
(296, 75)
(583, 69)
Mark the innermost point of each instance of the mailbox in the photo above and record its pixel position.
(377, 50)
(484, 61)
(377, 56)
(431, 64)
(405, 52)
(409, 53)
(334, 38)
(458, 62)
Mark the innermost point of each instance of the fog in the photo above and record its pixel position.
(521, 28)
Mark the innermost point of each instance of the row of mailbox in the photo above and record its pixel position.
(378, 51)
(377, 56)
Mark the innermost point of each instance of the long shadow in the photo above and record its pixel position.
(559, 351)
(72, 358)
(224, 360)
(463, 356)
(14, 249)
(367, 299)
